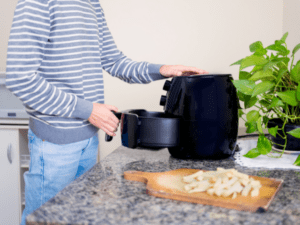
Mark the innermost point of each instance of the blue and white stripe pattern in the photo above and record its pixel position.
(56, 52)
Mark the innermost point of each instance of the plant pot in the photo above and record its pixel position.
(293, 144)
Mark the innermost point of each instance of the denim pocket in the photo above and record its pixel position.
(33, 147)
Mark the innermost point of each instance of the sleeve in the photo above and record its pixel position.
(118, 65)
(29, 34)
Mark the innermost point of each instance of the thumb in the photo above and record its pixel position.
(113, 108)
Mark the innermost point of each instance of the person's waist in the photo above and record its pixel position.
(61, 135)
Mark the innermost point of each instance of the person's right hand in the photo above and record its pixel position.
(103, 118)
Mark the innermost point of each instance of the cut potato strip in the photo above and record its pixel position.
(223, 182)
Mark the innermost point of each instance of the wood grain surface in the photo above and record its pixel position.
(170, 185)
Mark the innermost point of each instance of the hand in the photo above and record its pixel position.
(103, 118)
(179, 70)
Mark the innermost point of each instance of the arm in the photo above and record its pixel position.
(29, 35)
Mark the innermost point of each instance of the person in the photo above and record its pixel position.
(56, 53)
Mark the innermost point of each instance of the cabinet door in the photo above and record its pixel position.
(9, 177)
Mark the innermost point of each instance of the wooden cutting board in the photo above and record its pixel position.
(169, 185)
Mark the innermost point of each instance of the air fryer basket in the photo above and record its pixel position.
(141, 128)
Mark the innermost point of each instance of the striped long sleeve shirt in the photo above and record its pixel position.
(56, 52)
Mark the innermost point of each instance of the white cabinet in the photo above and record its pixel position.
(14, 161)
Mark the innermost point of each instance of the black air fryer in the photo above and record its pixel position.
(200, 119)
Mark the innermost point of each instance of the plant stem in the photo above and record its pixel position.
(292, 62)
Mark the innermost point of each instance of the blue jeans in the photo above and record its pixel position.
(52, 167)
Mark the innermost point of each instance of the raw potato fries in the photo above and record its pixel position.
(223, 182)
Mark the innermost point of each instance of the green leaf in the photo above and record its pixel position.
(297, 162)
(282, 50)
(282, 63)
(269, 65)
(262, 74)
(288, 97)
(295, 133)
(251, 127)
(285, 53)
(297, 47)
(256, 45)
(278, 42)
(252, 116)
(244, 86)
(269, 96)
(264, 103)
(260, 52)
(257, 48)
(253, 153)
(252, 60)
(262, 87)
(265, 119)
(241, 96)
(249, 101)
(256, 68)
(275, 102)
(241, 112)
(281, 72)
(298, 92)
(263, 145)
(276, 47)
(273, 131)
(259, 127)
(295, 72)
(243, 75)
(237, 62)
(284, 37)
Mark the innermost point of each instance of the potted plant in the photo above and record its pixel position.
(269, 81)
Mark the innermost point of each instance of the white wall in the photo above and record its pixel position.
(206, 34)
(7, 9)
(291, 24)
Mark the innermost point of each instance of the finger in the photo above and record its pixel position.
(108, 132)
(196, 71)
(201, 71)
(110, 127)
(113, 108)
(112, 116)
(178, 73)
(114, 119)
(109, 119)
(108, 124)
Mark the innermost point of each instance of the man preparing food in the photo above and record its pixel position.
(56, 52)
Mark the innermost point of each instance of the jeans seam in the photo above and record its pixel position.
(88, 144)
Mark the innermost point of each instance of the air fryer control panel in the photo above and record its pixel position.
(170, 100)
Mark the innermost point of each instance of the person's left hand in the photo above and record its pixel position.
(179, 70)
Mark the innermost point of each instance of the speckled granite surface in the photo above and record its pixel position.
(103, 196)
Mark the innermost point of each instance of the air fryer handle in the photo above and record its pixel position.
(118, 115)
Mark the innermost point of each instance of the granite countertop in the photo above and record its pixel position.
(103, 196)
